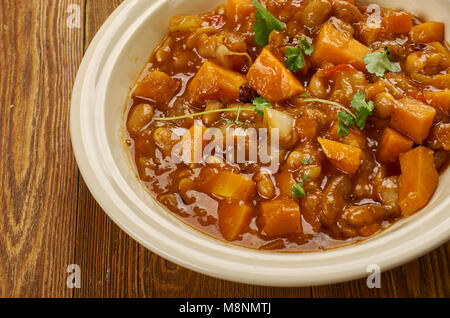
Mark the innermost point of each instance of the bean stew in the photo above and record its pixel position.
(341, 112)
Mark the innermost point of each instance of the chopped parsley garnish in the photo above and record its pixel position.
(307, 161)
(362, 109)
(305, 46)
(380, 62)
(297, 191)
(265, 23)
(305, 177)
(345, 121)
(294, 54)
(260, 104)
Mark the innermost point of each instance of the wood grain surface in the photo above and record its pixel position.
(48, 219)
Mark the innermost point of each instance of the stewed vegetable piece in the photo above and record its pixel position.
(293, 125)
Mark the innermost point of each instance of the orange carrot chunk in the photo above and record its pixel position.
(428, 32)
(234, 218)
(397, 22)
(418, 180)
(331, 45)
(215, 82)
(345, 157)
(271, 79)
(238, 10)
(392, 145)
(439, 100)
(231, 186)
(158, 87)
(413, 118)
(280, 217)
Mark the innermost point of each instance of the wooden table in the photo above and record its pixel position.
(48, 219)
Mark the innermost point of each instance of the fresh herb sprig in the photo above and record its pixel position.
(294, 54)
(259, 104)
(346, 118)
(380, 62)
(265, 23)
(297, 190)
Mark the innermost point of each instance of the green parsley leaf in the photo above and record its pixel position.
(305, 177)
(345, 121)
(304, 95)
(362, 108)
(297, 191)
(379, 62)
(307, 161)
(265, 23)
(295, 60)
(305, 46)
(260, 104)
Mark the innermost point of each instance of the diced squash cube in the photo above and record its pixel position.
(368, 33)
(413, 118)
(234, 218)
(275, 119)
(428, 32)
(346, 158)
(280, 217)
(271, 79)
(215, 82)
(354, 138)
(193, 144)
(393, 144)
(239, 10)
(231, 186)
(333, 46)
(397, 22)
(158, 87)
(418, 180)
(439, 100)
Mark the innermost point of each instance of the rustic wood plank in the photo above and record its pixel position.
(39, 57)
(114, 265)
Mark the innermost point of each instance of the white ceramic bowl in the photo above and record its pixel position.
(111, 65)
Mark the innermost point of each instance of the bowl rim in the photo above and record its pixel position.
(215, 258)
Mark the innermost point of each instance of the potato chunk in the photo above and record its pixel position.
(276, 119)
